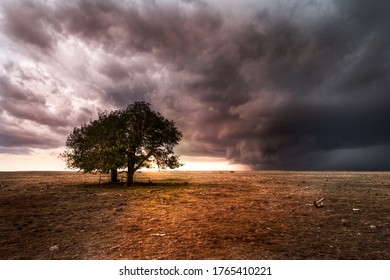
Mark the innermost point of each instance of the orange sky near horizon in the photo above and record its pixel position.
(51, 162)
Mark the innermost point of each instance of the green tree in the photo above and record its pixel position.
(134, 137)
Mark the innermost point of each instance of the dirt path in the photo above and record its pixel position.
(196, 215)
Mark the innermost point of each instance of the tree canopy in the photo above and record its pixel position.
(134, 137)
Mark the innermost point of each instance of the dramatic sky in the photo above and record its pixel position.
(267, 84)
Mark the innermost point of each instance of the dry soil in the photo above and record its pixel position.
(195, 215)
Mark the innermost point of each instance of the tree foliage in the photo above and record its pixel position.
(134, 137)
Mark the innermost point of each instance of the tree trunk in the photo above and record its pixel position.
(130, 169)
(130, 176)
(114, 176)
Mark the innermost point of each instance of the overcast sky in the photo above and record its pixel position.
(272, 84)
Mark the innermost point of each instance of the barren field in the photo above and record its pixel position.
(195, 215)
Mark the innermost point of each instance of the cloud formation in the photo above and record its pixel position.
(274, 85)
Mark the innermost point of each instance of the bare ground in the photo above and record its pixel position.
(196, 215)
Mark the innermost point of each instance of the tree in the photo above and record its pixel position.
(134, 137)
(97, 146)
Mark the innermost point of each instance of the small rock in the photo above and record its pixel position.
(54, 248)
(355, 209)
(373, 227)
(158, 234)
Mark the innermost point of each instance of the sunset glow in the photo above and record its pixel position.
(51, 162)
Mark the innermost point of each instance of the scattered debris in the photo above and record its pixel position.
(109, 194)
(319, 203)
(54, 248)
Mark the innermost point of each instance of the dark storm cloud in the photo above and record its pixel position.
(30, 22)
(27, 121)
(15, 151)
(301, 96)
(14, 138)
(116, 71)
(146, 27)
(121, 97)
(293, 86)
(17, 95)
(25, 104)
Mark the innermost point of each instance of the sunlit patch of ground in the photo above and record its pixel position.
(195, 215)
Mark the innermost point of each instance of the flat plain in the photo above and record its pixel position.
(195, 215)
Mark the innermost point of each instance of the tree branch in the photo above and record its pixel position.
(148, 155)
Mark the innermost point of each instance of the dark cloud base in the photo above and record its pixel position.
(303, 86)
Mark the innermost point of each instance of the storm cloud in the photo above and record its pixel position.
(273, 85)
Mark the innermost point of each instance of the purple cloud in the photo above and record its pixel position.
(299, 85)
